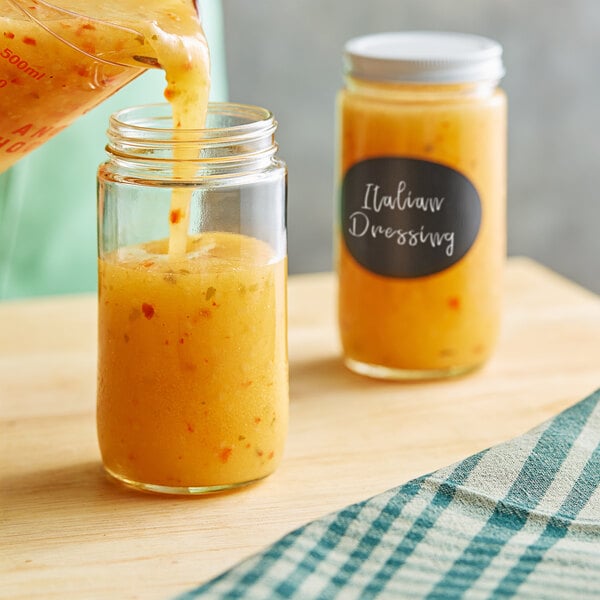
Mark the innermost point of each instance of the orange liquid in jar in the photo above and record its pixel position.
(45, 83)
(193, 374)
(447, 322)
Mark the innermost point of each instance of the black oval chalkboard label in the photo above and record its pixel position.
(403, 217)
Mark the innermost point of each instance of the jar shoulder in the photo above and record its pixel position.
(372, 96)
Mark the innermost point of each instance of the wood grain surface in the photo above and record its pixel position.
(67, 532)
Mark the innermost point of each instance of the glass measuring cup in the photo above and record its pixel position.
(57, 63)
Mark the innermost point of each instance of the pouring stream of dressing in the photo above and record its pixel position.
(184, 56)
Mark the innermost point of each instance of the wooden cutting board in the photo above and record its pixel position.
(67, 532)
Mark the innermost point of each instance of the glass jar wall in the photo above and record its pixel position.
(192, 371)
(421, 220)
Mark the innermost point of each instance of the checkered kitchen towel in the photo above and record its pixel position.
(521, 520)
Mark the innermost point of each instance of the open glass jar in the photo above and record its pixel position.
(192, 366)
(422, 194)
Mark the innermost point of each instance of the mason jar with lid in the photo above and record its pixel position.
(192, 366)
(421, 222)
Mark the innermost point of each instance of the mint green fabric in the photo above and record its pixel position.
(48, 199)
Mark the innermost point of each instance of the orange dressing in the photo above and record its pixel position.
(446, 322)
(192, 389)
(54, 71)
(185, 400)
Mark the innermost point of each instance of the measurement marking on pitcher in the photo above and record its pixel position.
(28, 131)
(21, 64)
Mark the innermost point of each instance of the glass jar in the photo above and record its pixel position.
(192, 367)
(421, 223)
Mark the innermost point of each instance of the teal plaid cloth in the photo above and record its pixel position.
(521, 519)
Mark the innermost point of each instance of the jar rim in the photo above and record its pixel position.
(153, 123)
(237, 139)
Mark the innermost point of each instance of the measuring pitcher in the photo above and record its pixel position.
(60, 59)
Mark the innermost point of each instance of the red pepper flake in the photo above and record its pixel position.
(181, 340)
(147, 263)
(259, 452)
(175, 216)
(9, 34)
(257, 420)
(454, 302)
(190, 427)
(88, 26)
(148, 310)
(225, 454)
(170, 94)
(248, 445)
(126, 338)
(82, 71)
(271, 455)
(29, 41)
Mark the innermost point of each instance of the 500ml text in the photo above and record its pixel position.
(21, 64)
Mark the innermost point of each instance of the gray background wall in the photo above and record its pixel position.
(286, 55)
